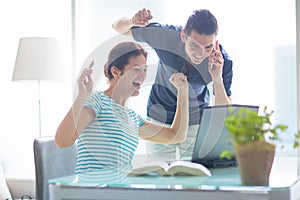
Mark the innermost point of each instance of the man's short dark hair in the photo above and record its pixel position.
(203, 22)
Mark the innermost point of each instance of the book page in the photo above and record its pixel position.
(185, 168)
(150, 168)
(177, 168)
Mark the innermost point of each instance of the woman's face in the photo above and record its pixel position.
(133, 75)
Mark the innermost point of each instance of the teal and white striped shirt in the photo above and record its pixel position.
(109, 140)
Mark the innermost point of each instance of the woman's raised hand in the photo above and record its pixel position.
(85, 82)
(179, 80)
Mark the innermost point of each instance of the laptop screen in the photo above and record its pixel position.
(213, 137)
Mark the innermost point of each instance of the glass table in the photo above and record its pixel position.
(224, 183)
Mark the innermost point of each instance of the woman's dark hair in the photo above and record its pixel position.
(203, 22)
(120, 54)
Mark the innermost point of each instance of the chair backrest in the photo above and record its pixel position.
(51, 162)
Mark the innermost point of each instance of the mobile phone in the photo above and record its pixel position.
(213, 49)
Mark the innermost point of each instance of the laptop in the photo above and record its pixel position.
(213, 137)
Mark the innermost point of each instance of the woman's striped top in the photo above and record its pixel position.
(110, 140)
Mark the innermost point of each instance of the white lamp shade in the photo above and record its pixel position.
(38, 58)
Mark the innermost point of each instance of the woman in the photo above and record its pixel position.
(106, 131)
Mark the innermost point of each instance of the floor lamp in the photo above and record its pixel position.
(38, 59)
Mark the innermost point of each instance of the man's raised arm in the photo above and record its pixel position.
(124, 24)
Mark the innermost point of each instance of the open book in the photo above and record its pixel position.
(176, 168)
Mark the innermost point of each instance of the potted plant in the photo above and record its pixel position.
(253, 137)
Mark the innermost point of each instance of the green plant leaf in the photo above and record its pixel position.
(226, 154)
(297, 138)
(245, 125)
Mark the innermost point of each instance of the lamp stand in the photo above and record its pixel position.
(40, 123)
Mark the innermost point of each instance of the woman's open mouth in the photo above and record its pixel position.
(137, 84)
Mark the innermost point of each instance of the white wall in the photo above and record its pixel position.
(19, 100)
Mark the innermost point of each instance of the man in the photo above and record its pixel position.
(192, 50)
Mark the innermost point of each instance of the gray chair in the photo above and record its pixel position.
(51, 162)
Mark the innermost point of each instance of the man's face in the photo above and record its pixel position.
(198, 46)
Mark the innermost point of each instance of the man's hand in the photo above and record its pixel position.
(215, 63)
(142, 17)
